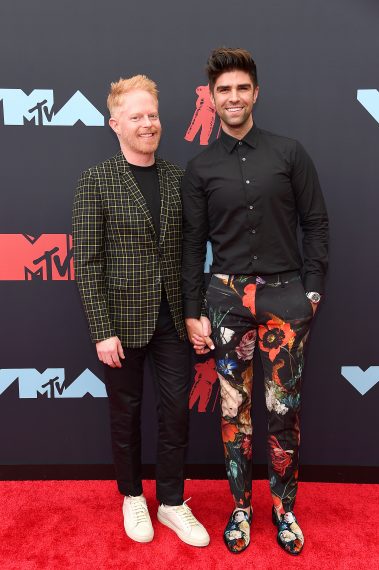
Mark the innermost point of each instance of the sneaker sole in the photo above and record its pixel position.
(181, 535)
(138, 538)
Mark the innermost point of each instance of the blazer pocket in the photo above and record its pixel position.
(115, 282)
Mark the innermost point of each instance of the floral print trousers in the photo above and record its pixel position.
(274, 314)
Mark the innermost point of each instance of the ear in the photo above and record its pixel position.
(212, 98)
(256, 92)
(114, 125)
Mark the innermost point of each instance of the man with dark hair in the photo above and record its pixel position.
(226, 59)
(127, 227)
(247, 192)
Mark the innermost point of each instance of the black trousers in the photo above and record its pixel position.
(171, 358)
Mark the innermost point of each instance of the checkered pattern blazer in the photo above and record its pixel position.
(119, 264)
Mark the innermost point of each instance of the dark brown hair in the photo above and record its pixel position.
(226, 59)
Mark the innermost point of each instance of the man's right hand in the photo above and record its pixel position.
(110, 351)
(198, 333)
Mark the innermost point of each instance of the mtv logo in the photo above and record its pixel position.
(201, 392)
(51, 383)
(48, 257)
(204, 117)
(362, 381)
(369, 98)
(38, 108)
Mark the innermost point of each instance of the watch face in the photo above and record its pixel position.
(314, 297)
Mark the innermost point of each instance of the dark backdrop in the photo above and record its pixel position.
(312, 59)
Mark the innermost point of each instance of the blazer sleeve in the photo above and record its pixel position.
(88, 242)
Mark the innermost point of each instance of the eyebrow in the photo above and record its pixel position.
(229, 86)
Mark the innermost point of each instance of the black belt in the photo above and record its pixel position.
(273, 280)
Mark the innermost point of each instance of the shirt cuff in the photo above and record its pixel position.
(313, 283)
(192, 309)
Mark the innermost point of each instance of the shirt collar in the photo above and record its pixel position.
(251, 139)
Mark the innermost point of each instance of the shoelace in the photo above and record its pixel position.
(185, 514)
(139, 509)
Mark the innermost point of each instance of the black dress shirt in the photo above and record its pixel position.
(247, 198)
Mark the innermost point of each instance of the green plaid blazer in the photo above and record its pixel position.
(119, 264)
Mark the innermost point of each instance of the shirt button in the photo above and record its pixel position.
(247, 181)
(253, 231)
(240, 143)
(251, 207)
(243, 158)
(255, 257)
(157, 280)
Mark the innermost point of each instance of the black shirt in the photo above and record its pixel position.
(148, 182)
(247, 198)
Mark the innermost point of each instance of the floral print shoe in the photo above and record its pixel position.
(290, 537)
(237, 531)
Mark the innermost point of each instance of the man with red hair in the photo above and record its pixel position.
(127, 226)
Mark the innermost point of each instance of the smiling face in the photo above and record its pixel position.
(137, 126)
(234, 95)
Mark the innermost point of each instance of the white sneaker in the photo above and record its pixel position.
(181, 520)
(137, 522)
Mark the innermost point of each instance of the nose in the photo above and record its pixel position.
(234, 95)
(146, 121)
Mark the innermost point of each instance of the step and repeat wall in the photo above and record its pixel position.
(318, 73)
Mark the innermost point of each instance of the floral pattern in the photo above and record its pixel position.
(245, 349)
(246, 446)
(240, 312)
(248, 300)
(273, 399)
(275, 335)
(231, 399)
(237, 531)
(290, 536)
(280, 458)
(229, 431)
(226, 366)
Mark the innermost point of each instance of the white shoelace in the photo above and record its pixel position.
(185, 514)
(139, 509)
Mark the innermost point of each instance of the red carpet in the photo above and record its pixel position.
(78, 525)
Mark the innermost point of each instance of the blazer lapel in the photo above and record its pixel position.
(164, 185)
(132, 189)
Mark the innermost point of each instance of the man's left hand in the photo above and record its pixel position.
(199, 331)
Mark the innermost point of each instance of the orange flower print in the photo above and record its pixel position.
(280, 458)
(275, 373)
(246, 446)
(273, 335)
(297, 545)
(229, 431)
(239, 545)
(248, 300)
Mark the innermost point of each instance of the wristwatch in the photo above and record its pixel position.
(313, 296)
